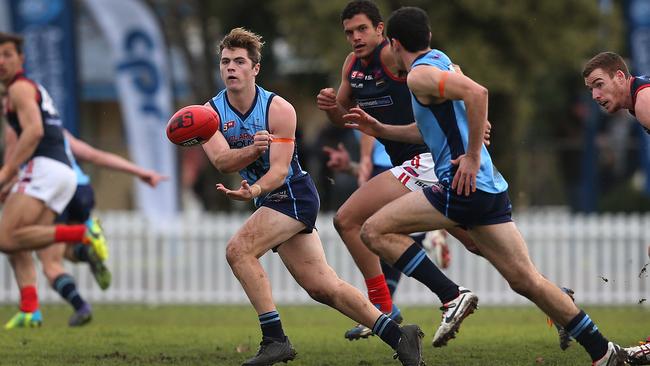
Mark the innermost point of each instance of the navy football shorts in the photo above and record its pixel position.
(80, 206)
(479, 208)
(297, 199)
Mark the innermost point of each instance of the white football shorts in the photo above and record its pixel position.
(48, 180)
(417, 173)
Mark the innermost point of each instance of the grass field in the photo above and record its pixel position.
(227, 335)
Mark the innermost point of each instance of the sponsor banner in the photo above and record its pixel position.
(143, 82)
(48, 29)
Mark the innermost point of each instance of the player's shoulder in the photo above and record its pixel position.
(21, 88)
(281, 107)
(350, 59)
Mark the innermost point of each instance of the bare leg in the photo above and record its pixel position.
(265, 229)
(21, 225)
(304, 257)
(364, 202)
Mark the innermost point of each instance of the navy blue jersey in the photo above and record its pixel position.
(385, 97)
(445, 130)
(638, 83)
(239, 130)
(52, 144)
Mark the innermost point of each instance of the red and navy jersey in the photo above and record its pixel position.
(638, 83)
(52, 145)
(385, 97)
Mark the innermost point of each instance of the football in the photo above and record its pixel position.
(192, 125)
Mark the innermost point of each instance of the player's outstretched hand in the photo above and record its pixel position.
(326, 99)
(152, 178)
(465, 178)
(358, 119)
(244, 193)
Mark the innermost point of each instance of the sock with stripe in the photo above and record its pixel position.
(64, 284)
(415, 263)
(387, 330)
(583, 330)
(392, 277)
(378, 293)
(271, 325)
(28, 299)
(80, 251)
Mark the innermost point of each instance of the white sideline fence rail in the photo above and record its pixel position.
(600, 256)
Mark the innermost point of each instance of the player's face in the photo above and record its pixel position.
(607, 91)
(362, 35)
(237, 70)
(10, 61)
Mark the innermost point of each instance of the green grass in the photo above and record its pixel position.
(212, 335)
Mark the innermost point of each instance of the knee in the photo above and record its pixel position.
(5, 242)
(525, 284)
(343, 221)
(370, 235)
(235, 251)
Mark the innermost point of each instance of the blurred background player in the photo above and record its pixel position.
(78, 211)
(614, 88)
(371, 79)
(40, 175)
(257, 138)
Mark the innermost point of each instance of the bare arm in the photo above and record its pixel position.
(366, 146)
(431, 85)
(642, 107)
(362, 121)
(85, 152)
(228, 160)
(337, 103)
(22, 98)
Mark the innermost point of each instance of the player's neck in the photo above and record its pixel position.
(409, 57)
(242, 99)
(627, 102)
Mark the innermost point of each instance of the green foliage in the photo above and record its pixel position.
(227, 335)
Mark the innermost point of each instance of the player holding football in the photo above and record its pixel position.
(371, 79)
(45, 180)
(450, 111)
(256, 138)
(614, 88)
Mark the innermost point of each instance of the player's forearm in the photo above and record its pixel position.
(115, 162)
(234, 160)
(272, 180)
(476, 106)
(403, 133)
(24, 148)
(336, 115)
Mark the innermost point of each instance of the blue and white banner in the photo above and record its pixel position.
(638, 25)
(143, 82)
(5, 21)
(48, 29)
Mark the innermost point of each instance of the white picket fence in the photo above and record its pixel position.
(600, 256)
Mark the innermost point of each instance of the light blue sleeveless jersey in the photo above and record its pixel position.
(444, 128)
(239, 130)
(82, 178)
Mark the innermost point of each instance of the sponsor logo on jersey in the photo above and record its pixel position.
(375, 102)
(227, 125)
(357, 74)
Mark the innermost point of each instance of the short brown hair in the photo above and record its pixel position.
(12, 38)
(243, 38)
(609, 62)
